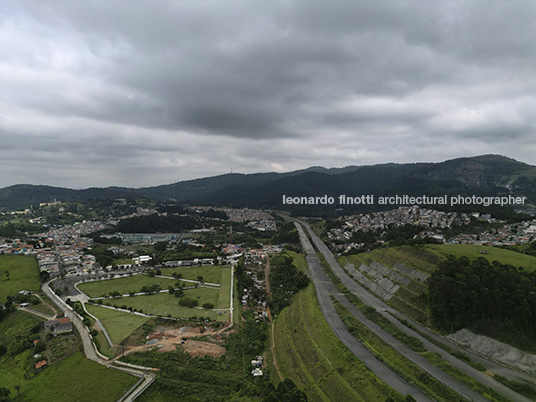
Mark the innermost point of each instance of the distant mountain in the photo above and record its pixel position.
(480, 175)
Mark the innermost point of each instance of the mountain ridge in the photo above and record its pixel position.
(483, 174)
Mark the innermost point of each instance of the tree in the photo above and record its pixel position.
(160, 246)
(40, 346)
(7, 275)
(44, 276)
(4, 393)
(200, 278)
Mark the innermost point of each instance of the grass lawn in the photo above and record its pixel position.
(225, 294)
(123, 285)
(472, 251)
(309, 353)
(164, 303)
(118, 324)
(76, 379)
(225, 289)
(23, 275)
(71, 379)
(17, 323)
(299, 260)
(210, 273)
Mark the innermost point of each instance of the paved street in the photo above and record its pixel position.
(372, 301)
(324, 287)
(89, 349)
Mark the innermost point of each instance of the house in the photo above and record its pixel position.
(257, 372)
(59, 326)
(40, 365)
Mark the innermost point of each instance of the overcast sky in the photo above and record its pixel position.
(138, 93)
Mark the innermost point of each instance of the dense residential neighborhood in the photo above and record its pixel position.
(434, 223)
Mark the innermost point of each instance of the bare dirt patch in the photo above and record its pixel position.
(199, 348)
(167, 339)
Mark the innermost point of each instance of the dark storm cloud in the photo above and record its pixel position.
(189, 88)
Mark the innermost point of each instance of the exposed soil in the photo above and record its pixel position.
(169, 339)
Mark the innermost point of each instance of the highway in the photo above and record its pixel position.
(324, 287)
(366, 297)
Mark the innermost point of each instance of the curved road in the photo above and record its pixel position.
(367, 298)
(89, 349)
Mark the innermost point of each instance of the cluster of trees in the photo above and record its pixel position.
(286, 391)
(188, 302)
(212, 213)
(490, 298)
(21, 229)
(150, 289)
(156, 223)
(103, 256)
(285, 280)
(22, 299)
(286, 233)
(529, 249)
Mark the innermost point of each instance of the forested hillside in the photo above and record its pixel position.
(492, 299)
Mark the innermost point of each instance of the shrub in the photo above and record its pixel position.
(186, 301)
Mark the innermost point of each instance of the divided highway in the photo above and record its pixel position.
(325, 287)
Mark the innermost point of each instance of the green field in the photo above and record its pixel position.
(72, 379)
(163, 303)
(426, 259)
(16, 323)
(471, 251)
(123, 285)
(210, 273)
(76, 379)
(310, 354)
(118, 324)
(23, 275)
(299, 260)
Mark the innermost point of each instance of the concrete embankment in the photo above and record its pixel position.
(498, 351)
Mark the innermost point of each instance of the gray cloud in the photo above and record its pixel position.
(100, 93)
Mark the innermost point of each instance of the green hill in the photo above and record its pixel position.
(486, 175)
(485, 289)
